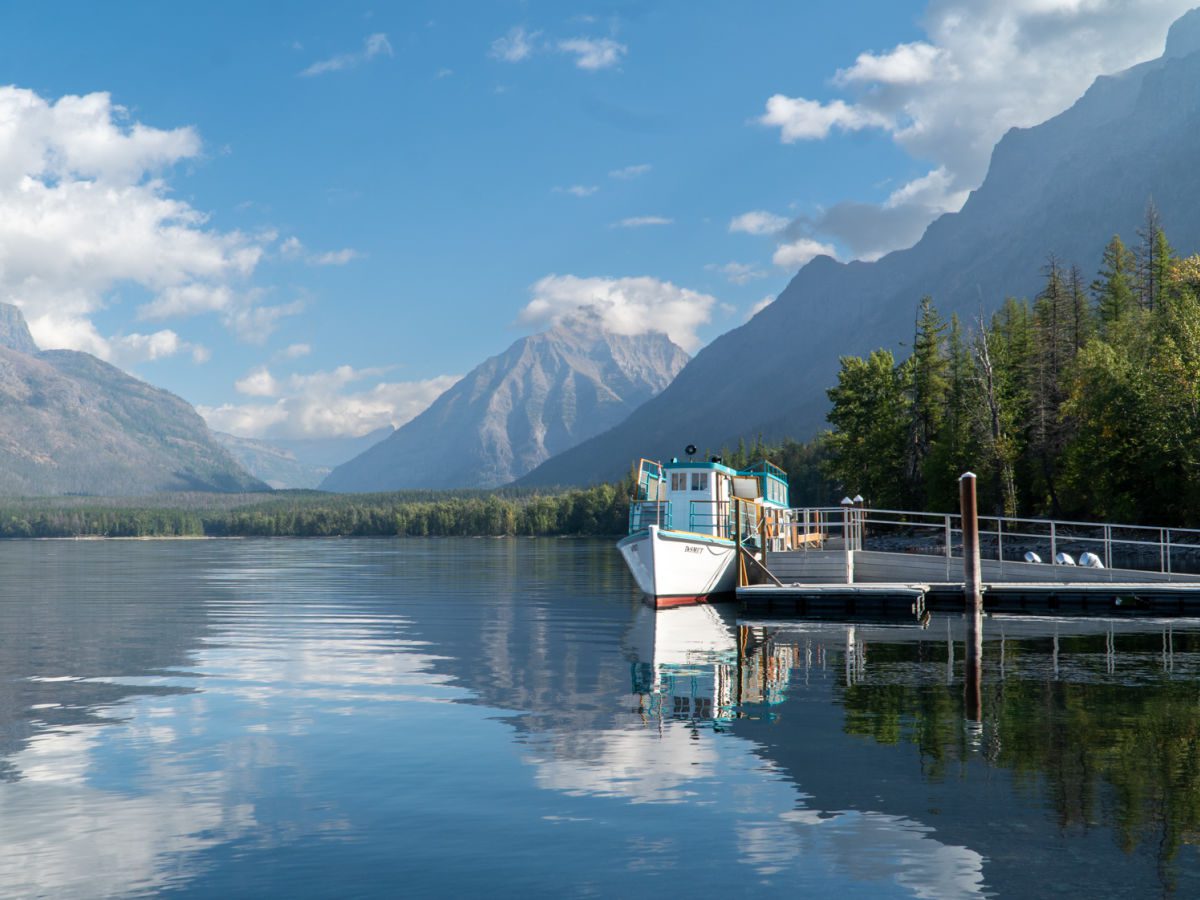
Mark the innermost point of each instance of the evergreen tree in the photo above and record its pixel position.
(870, 422)
(1055, 347)
(927, 387)
(957, 446)
(1153, 259)
(1113, 290)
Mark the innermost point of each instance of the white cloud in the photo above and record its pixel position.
(594, 53)
(622, 305)
(129, 350)
(292, 248)
(578, 190)
(737, 273)
(915, 63)
(254, 324)
(295, 351)
(630, 172)
(643, 221)
(985, 66)
(806, 120)
(257, 383)
(188, 300)
(799, 252)
(758, 221)
(760, 306)
(84, 208)
(515, 46)
(374, 45)
(332, 403)
(335, 257)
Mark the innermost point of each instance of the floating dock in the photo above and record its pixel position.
(894, 564)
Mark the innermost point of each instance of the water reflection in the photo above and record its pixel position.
(370, 718)
(1095, 721)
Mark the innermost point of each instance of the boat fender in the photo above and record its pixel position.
(1091, 560)
(1064, 559)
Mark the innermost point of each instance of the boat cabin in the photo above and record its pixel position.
(702, 497)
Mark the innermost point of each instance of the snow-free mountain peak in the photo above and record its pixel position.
(543, 394)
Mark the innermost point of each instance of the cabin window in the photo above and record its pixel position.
(699, 481)
(679, 481)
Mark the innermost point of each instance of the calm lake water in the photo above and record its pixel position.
(464, 717)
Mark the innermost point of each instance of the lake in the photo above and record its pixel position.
(438, 717)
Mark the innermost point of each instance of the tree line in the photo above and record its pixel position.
(599, 510)
(1082, 403)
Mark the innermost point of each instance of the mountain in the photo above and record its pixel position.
(1063, 187)
(544, 394)
(71, 424)
(296, 462)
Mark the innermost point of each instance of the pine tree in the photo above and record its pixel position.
(1055, 347)
(925, 375)
(1153, 259)
(1081, 313)
(1113, 290)
(956, 447)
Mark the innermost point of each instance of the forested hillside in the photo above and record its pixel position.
(1083, 403)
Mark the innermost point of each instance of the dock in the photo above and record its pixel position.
(858, 561)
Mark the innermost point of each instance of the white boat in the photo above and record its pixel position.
(691, 522)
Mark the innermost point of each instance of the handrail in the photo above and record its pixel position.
(1103, 538)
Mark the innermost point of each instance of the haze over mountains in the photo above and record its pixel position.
(296, 462)
(1063, 187)
(72, 424)
(544, 394)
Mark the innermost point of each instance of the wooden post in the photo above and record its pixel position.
(972, 581)
(860, 516)
(973, 597)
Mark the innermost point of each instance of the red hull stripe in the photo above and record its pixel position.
(665, 602)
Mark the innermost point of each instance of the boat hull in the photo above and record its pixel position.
(675, 568)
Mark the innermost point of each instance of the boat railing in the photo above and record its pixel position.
(710, 517)
(1055, 542)
(644, 513)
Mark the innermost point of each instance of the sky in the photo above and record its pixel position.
(310, 219)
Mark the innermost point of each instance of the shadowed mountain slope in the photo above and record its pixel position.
(1063, 187)
(72, 424)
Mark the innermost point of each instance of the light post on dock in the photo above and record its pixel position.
(848, 536)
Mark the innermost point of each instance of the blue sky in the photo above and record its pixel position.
(307, 219)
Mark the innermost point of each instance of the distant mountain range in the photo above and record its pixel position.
(1063, 187)
(543, 395)
(296, 462)
(72, 424)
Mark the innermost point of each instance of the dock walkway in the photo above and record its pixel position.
(897, 563)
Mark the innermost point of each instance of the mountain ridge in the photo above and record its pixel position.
(1062, 187)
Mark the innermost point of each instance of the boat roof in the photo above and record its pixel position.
(762, 467)
(693, 464)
